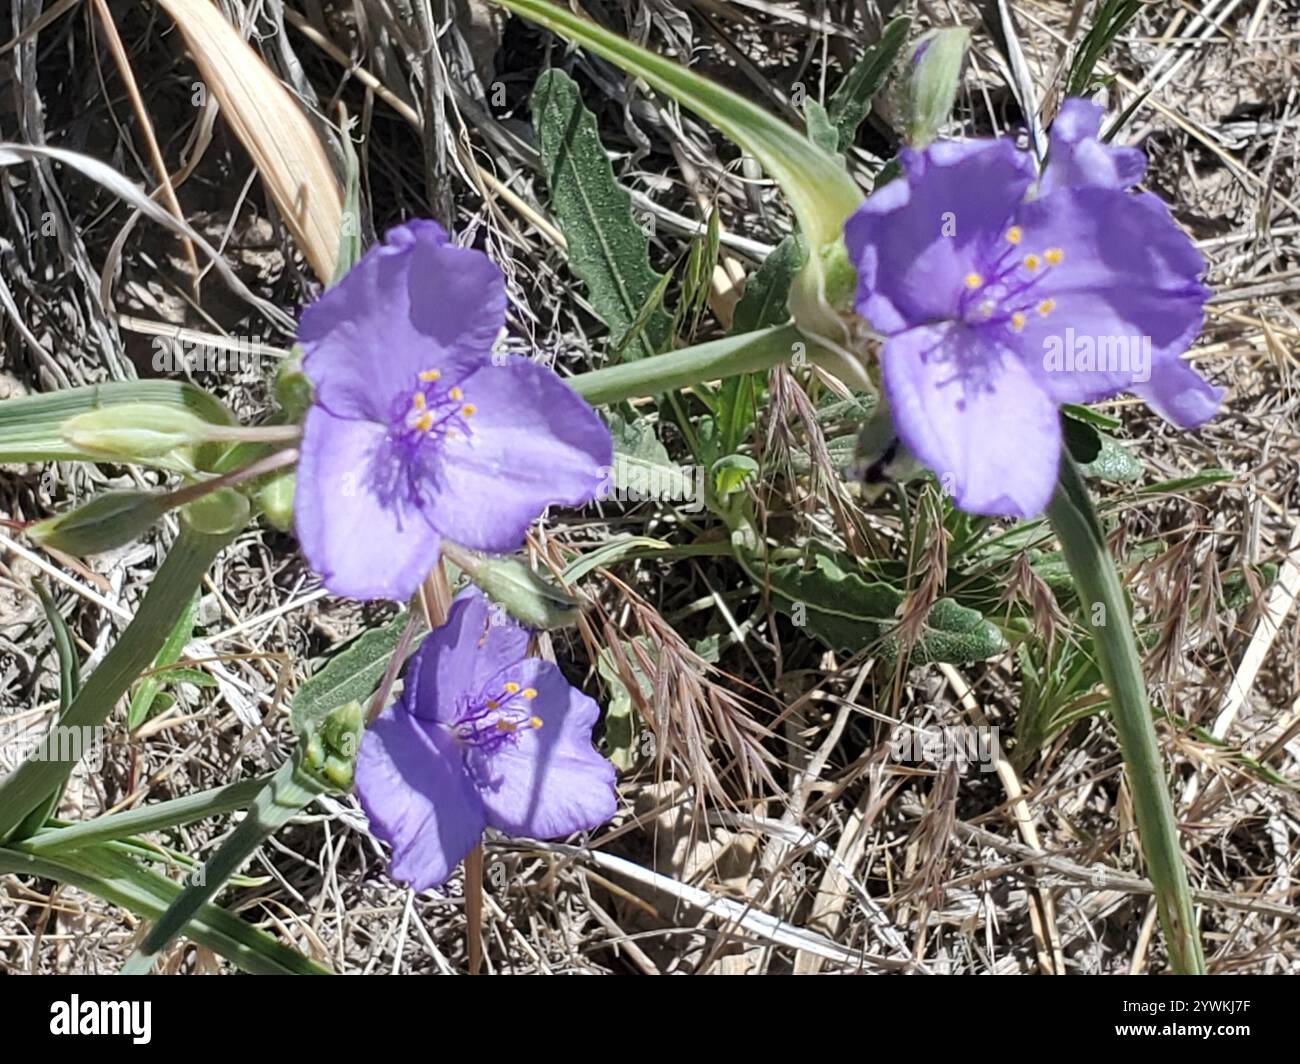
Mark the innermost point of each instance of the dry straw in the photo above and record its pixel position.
(271, 126)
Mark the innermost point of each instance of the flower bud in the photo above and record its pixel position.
(292, 388)
(135, 430)
(523, 594)
(329, 752)
(932, 87)
(275, 498)
(217, 513)
(105, 522)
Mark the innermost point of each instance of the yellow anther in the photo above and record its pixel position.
(1031, 262)
(492, 703)
(417, 400)
(512, 688)
(1014, 234)
(505, 725)
(530, 693)
(534, 722)
(1054, 256)
(424, 422)
(468, 409)
(430, 374)
(456, 394)
(974, 280)
(1046, 307)
(1017, 321)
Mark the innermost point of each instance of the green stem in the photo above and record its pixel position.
(48, 766)
(284, 795)
(728, 357)
(157, 817)
(1075, 522)
(119, 880)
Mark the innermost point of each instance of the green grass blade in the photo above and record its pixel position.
(287, 792)
(69, 683)
(119, 880)
(56, 838)
(1109, 22)
(148, 688)
(48, 766)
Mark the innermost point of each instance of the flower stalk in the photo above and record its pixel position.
(728, 357)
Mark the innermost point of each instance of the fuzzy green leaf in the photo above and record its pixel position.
(607, 249)
(851, 103)
(351, 675)
(850, 611)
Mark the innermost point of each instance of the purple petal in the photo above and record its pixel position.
(549, 782)
(531, 443)
(1125, 299)
(1076, 158)
(1178, 394)
(915, 240)
(412, 783)
(456, 661)
(412, 303)
(973, 415)
(362, 545)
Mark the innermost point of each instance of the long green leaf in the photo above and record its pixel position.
(65, 649)
(119, 880)
(30, 426)
(1074, 519)
(148, 688)
(158, 816)
(689, 366)
(287, 792)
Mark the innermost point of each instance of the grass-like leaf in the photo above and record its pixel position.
(46, 770)
(143, 699)
(30, 426)
(285, 794)
(116, 878)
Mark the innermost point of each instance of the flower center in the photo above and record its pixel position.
(1010, 287)
(434, 412)
(486, 722)
(407, 467)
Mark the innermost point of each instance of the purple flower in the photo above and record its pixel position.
(997, 308)
(482, 736)
(417, 432)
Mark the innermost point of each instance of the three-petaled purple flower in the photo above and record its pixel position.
(417, 433)
(482, 735)
(996, 308)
